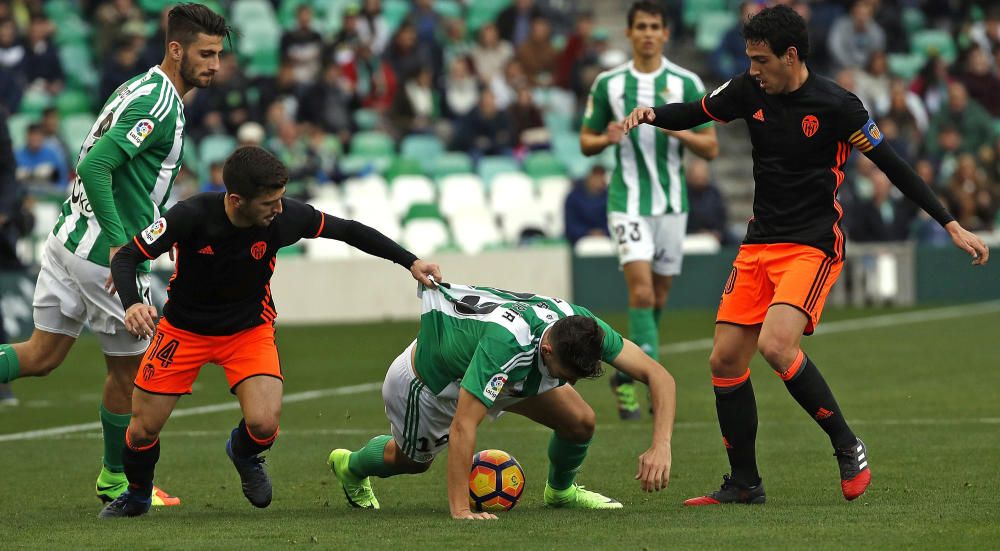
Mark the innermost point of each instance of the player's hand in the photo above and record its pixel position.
(140, 320)
(467, 514)
(421, 269)
(654, 468)
(969, 242)
(638, 116)
(615, 131)
(109, 284)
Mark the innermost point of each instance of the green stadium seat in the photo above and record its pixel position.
(394, 12)
(356, 164)
(34, 101)
(694, 10)
(711, 27)
(402, 166)
(421, 147)
(932, 41)
(215, 147)
(542, 164)
(453, 162)
(913, 19)
(422, 210)
(263, 62)
(557, 121)
(906, 65)
(287, 10)
(480, 12)
(372, 143)
(17, 125)
(73, 129)
(366, 119)
(71, 29)
(83, 75)
(70, 102)
(489, 167)
(448, 8)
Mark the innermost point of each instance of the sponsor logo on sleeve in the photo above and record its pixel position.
(494, 385)
(871, 130)
(154, 231)
(140, 132)
(590, 107)
(720, 88)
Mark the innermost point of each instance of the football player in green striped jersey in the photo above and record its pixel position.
(647, 195)
(125, 168)
(482, 352)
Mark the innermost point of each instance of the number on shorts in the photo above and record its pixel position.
(166, 352)
(621, 229)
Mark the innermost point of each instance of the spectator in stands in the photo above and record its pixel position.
(222, 107)
(345, 42)
(455, 42)
(15, 222)
(902, 143)
(871, 84)
(461, 89)
(303, 47)
(973, 122)
(491, 53)
(707, 213)
(889, 16)
(250, 133)
(526, 121)
(931, 83)
(12, 51)
(40, 165)
(586, 209)
(406, 56)
(730, 56)
(42, 65)
(416, 106)
(536, 53)
(50, 127)
(374, 82)
(980, 80)
(947, 148)
(577, 46)
(927, 172)
(986, 33)
(970, 199)
(906, 109)
(122, 64)
(426, 22)
(153, 53)
(372, 27)
(855, 36)
(881, 217)
(504, 86)
(485, 130)
(185, 185)
(296, 153)
(991, 161)
(214, 183)
(330, 103)
(588, 65)
(114, 22)
(514, 23)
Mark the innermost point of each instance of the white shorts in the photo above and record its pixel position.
(658, 240)
(419, 419)
(70, 293)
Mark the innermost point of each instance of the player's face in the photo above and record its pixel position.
(261, 210)
(201, 60)
(647, 34)
(771, 71)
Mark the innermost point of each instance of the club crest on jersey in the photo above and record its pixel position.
(494, 385)
(810, 124)
(154, 231)
(873, 132)
(258, 249)
(140, 132)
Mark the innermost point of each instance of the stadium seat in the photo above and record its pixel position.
(489, 167)
(404, 167)
(557, 121)
(906, 65)
(700, 243)
(594, 245)
(542, 164)
(930, 41)
(423, 148)
(711, 27)
(475, 230)
(453, 162)
(74, 130)
(421, 210)
(70, 28)
(366, 193)
(17, 124)
(243, 11)
(552, 192)
(70, 102)
(215, 147)
(83, 75)
(34, 101)
(46, 215)
(449, 9)
(480, 12)
(394, 12)
(330, 203)
(287, 10)
(372, 143)
(364, 164)
(513, 222)
(366, 119)
(407, 190)
(511, 190)
(460, 191)
(425, 236)
(380, 218)
(693, 11)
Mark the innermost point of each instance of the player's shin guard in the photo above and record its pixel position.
(805, 383)
(114, 426)
(370, 460)
(139, 463)
(565, 458)
(245, 444)
(10, 366)
(642, 331)
(737, 409)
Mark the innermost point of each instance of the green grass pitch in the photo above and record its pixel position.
(923, 395)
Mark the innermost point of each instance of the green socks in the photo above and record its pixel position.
(369, 460)
(10, 367)
(565, 458)
(114, 425)
(642, 323)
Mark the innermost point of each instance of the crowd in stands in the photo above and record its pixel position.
(321, 82)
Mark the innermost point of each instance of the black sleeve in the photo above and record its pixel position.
(363, 237)
(150, 243)
(902, 175)
(727, 102)
(680, 116)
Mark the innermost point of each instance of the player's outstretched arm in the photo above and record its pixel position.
(375, 243)
(914, 188)
(140, 318)
(672, 116)
(461, 445)
(654, 464)
(593, 142)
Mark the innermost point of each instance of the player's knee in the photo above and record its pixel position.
(582, 428)
(778, 353)
(725, 365)
(642, 296)
(263, 429)
(141, 434)
(41, 362)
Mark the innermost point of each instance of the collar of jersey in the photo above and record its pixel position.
(166, 79)
(636, 73)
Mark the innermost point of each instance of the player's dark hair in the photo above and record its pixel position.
(780, 27)
(186, 21)
(576, 343)
(646, 6)
(250, 171)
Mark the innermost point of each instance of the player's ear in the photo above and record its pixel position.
(175, 50)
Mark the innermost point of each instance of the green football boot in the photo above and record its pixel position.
(357, 490)
(576, 497)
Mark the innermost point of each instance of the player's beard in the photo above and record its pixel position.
(189, 73)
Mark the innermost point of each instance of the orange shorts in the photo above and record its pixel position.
(780, 273)
(174, 357)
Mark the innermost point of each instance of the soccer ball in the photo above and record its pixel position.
(496, 481)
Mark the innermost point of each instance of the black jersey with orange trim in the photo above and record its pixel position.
(801, 141)
(221, 284)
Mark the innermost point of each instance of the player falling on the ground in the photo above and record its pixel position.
(803, 128)
(125, 169)
(220, 310)
(483, 351)
(647, 197)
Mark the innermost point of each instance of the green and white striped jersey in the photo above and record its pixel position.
(145, 117)
(486, 341)
(648, 179)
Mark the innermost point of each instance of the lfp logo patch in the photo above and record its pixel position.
(494, 385)
(154, 231)
(140, 132)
